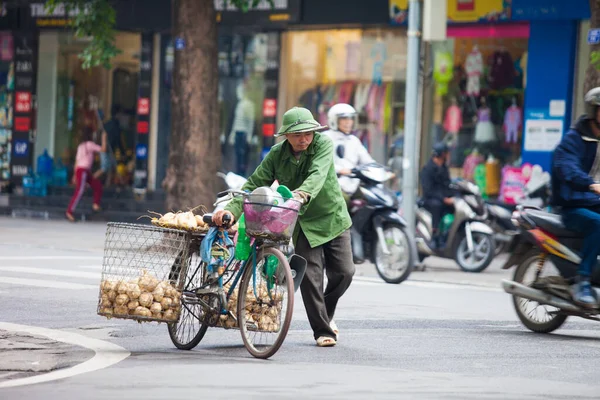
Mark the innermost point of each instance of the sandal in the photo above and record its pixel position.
(326, 341)
(334, 328)
(70, 216)
(96, 207)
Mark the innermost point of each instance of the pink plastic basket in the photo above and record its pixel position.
(275, 222)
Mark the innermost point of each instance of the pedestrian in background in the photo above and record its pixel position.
(83, 171)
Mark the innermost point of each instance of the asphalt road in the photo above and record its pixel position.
(441, 334)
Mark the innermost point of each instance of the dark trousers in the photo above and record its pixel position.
(336, 258)
(586, 221)
(438, 209)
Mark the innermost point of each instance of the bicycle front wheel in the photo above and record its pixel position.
(266, 303)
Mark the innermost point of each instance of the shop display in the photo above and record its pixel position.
(484, 129)
(474, 70)
(453, 122)
(502, 71)
(492, 176)
(512, 122)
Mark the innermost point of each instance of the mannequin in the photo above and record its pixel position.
(452, 122)
(474, 69)
(484, 130)
(512, 122)
(242, 129)
(471, 162)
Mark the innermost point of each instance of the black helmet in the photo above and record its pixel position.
(440, 149)
(592, 101)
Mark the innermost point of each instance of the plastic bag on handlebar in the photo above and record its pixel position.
(208, 241)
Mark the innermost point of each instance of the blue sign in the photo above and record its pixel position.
(179, 43)
(21, 148)
(141, 151)
(593, 36)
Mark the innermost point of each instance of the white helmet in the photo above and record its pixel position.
(341, 110)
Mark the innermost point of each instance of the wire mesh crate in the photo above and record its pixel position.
(143, 272)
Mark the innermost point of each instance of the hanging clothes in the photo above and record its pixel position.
(502, 72)
(484, 130)
(361, 97)
(453, 120)
(512, 124)
(474, 69)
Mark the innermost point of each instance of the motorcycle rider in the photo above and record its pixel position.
(342, 119)
(575, 177)
(435, 181)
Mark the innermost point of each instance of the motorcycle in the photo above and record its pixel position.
(232, 182)
(537, 194)
(469, 241)
(543, 292)
(378, 232)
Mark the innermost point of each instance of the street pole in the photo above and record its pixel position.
(411, 135)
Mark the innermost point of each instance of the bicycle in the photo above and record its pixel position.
(263, 302)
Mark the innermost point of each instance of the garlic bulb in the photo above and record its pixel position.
(112, 295)
(145, 299)
(121, 300)
(106, 310)
(200, 221)
(169, 315)
(122, 287)
(121, 310)
(142, 312)
(168, 218)
(156, 308)
(134, 291)
(166, 302)
(158, 293)
(133, 304)
(107, 286)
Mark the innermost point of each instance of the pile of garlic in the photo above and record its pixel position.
(143, 297)
(264, 312)
(181, 220)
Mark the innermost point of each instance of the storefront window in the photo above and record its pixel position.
(86, 96)
(243, 62)
(362, 67)
(480, 87)
(7, 82)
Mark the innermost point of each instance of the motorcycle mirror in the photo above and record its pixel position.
(340, 151)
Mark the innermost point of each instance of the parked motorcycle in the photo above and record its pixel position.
(542, 291)
(469, 241)
(537, 194)
(378, 232)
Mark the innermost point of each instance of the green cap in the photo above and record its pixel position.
(297, 120)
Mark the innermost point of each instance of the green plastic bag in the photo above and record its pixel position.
(242, 247)
(270, 270)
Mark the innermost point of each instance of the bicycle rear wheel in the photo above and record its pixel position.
(264, 319)
(191, 328)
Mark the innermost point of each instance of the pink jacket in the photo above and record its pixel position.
(85, 154)
(453, 120)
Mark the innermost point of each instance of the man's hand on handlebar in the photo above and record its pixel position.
(449, 201)
(223, 218)
(345, 172)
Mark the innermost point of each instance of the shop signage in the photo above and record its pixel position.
(542, 131)
(22, 102)
(22, 124)
(266, 12)
(143, 106)
(21, 148)
(593, 36)
(60, 17)
(179, 43)
(270, 108)
(25, 59)
(459, 11)
(140, 176)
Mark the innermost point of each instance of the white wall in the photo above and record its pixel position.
(46, 93)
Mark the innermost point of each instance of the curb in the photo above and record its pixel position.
(106, 354)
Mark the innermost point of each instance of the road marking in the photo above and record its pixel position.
(50, 257)
(106, 354)
(51, 271)
(94, 267)
(46, 283)
(365, 280)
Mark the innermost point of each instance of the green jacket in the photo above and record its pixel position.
(325, 216)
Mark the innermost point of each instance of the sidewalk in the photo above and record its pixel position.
(24, 355)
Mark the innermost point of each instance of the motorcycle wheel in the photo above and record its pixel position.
(483, 254)
(397, 266)
(536, 317)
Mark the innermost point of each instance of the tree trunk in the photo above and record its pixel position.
(195, 148)
(592, 74)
